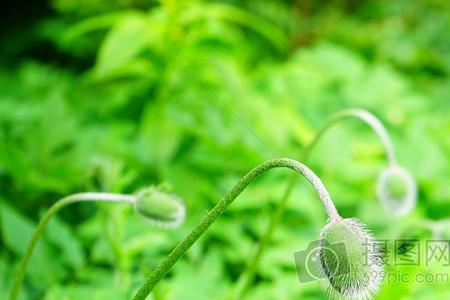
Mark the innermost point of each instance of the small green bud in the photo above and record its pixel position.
(397, 190)
(160, 208)
(350, 260)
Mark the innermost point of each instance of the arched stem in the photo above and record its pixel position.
(57, 206)
(163, 268)
(367, 117)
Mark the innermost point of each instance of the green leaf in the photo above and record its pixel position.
(60, 234)
(16, 231)
(123, 43)
(203, 280)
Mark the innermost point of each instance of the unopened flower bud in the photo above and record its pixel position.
(160, 208)
(350, 260)
(397, 190)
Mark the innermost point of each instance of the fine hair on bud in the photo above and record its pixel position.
(160, 208)
(350, 260)
(397, 190)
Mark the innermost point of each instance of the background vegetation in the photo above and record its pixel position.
(115, 95)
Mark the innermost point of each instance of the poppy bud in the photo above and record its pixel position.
(350, 261)
(160, 208)
(397, 190)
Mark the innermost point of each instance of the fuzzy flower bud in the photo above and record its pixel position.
(350, 261)
(160, 208)
(397, 190)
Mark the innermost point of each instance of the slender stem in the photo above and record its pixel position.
(367, 117)
(163, 268)
(63, 202)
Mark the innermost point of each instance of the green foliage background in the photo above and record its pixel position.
(116, 95)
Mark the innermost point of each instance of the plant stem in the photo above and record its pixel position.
(63, 202)
(163, 268)
(367, 117)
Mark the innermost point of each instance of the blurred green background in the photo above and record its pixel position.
(115, 95)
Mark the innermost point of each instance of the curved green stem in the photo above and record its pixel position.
(81, 197)
(163, 268)
(367, 117)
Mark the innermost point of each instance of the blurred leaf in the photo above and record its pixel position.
(60, 234)
(201, 281)
(125, 40)
(16, 232)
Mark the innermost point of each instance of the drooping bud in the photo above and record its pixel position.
(397, 190)
(160, 208)
(350, 260)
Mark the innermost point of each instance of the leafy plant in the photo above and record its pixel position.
(194, 101)
(363, 279)
(158, 207)
(395, 205)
